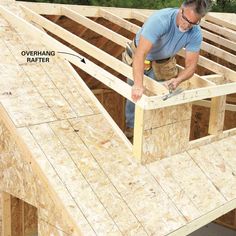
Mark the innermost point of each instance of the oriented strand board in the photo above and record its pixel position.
(165, 141)
(45, 228)
(182, 179)
(29, 188)
(136, 186)
(53, 216)
(216, 168)
(99, 181)
(162, 128)
(82, 193)
(166, 116)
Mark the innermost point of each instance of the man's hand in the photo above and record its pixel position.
(172, 83)
(137, 92)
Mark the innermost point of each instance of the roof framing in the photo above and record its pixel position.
(102, 75)
(204, 88)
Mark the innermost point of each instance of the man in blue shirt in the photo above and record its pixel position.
(163, 34)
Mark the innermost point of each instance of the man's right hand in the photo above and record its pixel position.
(137, 92)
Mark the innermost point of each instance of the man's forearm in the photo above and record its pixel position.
(186, 74)
(138, 71)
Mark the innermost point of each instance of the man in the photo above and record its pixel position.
(153, 49)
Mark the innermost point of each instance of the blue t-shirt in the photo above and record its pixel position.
(161, 30)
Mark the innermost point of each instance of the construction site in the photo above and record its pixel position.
(66, 166)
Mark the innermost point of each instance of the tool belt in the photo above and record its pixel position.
(163, 69)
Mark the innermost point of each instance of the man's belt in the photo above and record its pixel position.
(162, 60)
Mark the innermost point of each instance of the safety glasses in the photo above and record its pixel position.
(187, 20)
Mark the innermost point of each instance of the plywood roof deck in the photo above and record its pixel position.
(61, 151)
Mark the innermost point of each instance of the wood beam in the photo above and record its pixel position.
(118, 20)
(197, 81)
(138, 16)
(93, 51)
(6, 214)
(221, 22)
(138, 134)
(213, 66)
(99, 29)
(227, 33)
(219, 40)
(211, 138)
(190, 96)
(89, 67)
(217, 115)
(206, 103)
(89, 11)
(220, 53)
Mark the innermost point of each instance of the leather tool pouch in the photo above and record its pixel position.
(166, 70)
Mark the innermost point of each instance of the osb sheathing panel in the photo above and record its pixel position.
(216, 168)
(166, 116)
(162, 127)
(72, 178)
(55, 218)
(52, 92)
(133, 182)
(165, 141)
(97, 179)
(45, 228)
(29, 188)
(186, 185)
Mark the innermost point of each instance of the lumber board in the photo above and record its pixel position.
(6, 214)
(217, 19)
(138, 133)
(227, 33)
(219, 40)
(190, 96)
(217, 115)
(205, 103)
(211, 138)
(118, 20)
(92, 50)
(220, 53)
(89, 11)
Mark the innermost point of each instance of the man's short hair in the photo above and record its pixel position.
(201, 7)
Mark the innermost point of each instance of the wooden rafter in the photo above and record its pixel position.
(121, 87)
(231, 35)
(93, 51)
(205, 103)
(219, 40)
(118, 20)
(221, 22)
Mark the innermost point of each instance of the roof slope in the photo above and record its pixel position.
(87, 164)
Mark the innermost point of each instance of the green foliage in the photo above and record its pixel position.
(144, 4)
(224, 6)
(219, 5)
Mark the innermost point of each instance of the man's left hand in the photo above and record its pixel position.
(172, 83)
